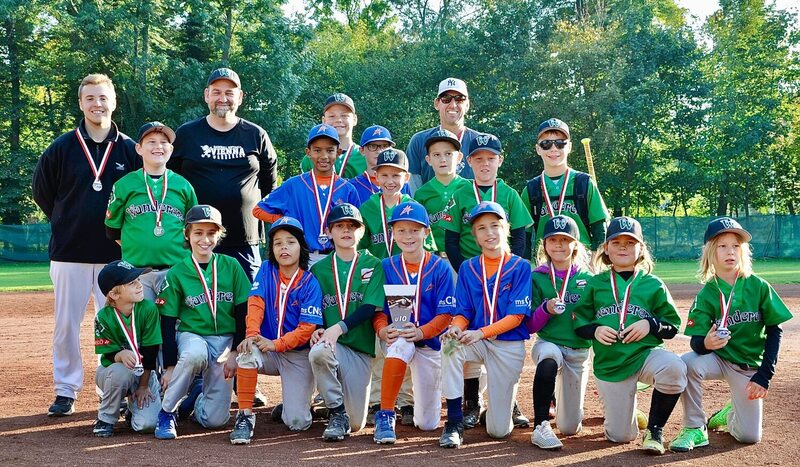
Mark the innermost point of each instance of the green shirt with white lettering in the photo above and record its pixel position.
(110, 337)
(437, 199)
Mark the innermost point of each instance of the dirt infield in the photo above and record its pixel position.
(28, 437)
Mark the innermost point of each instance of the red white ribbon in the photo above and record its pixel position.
(490, 302)
(417, 288)
(95, 171)
(211, 295)
(152, 198)
(322, 213)
(388, 237)
(561, 196)
(560, 294)
(346, 158)
(725, 305)
(622, 312)
(130, 333)
(283, 298)
(478, 197)
(341, 301)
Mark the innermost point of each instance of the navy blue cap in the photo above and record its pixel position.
(487, 207)
(375, 133)
(340, 99)
(410, 211)
(624, 226)
(443, 135)
(344, 212)
(287, 223)
(561, 225)
(224, 73)
(725, 225)
(320, 131)
(118, 273)
(204, 213)
(485, 142)
(553, 124)
(393, 158)
(151, 127)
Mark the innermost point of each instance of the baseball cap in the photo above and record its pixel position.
(118, 273)
(410, 211)
(340, 99)
(725, 225)
(204, 213)
(322, 130)
(224, 73)
(561, 225)
(553, 124)
(485, 142)
(393, 158)
(442, 135)
(287, 223)
(375, 133)
(453, 84)
(151, 127)
(624, 226)
(486, 207)
(344, 212)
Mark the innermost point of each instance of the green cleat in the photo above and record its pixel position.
(719, 421)
(688, 439)
(652, 442)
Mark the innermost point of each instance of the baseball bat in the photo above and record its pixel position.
(589, 161)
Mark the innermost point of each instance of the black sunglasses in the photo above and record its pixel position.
(548, 143)
(447, 98)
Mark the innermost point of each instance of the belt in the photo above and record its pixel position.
(744, 367)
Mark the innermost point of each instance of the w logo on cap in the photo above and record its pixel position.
(339, 97)
(626, 223)
(554, 122)
(560, 224)
(125, 264)
(348, 210)
(483, 140)
(207, 212)
(388, 156)
(727, 223)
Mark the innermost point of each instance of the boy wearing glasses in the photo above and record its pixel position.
(374, 140)
(563, 190)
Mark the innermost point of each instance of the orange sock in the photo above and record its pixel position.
(246, 381)
(394, 370)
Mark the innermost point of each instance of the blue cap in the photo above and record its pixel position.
(487, 207)
(375, 133)
(485, 142)
(553, 124)
(344, 212)
(624, 226)
(725, 225)
(287, 223)
(443, 135)
(561, 225)
(410, 211)
(322, 130)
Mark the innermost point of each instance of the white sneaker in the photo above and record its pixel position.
(544, 437)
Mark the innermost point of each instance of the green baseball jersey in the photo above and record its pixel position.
(594, 201)
(130, 210)
(437, 199)
(374, 239)
(109, 336)
(366, 288)
(183, 296)
(753, 307)
(356, 164)
(463, 202)
(559, 329)
(649, 297)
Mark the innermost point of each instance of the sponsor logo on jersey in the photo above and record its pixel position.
(100, 341)
(137, 210)
(310, 310)
(690, 323)
(160, 301)
(222, 153)
(99, 329)
(580, 283)
(739, 317)
(120, 165)
(523, 302)
(193, 301)
(448, 301)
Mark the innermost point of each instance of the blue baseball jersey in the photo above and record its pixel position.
(513, 298)
(295, 198)
(365, 188)
(437, 294)
(303, 305)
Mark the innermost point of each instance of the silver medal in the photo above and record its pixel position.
(138, 370)
(323, 239)
(97, 185)
(723, 333)
(158, 231)
(559, 307)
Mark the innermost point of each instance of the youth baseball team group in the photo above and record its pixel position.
(190, 315)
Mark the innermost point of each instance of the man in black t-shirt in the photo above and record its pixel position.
(231, 164)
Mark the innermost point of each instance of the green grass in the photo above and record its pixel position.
(25, 277)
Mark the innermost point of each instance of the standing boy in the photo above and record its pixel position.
(374, 140)
(340, 113)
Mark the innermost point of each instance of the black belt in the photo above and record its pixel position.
(746, 367)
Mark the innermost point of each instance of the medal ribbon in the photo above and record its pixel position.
(563, 193)
(283, 299)
(388, 237)
(130, 333)
(322, 213)
(95, 171)
(491, 302)
(478, 196)
(725, 305)
(341, 301)
(372, 187)
(346, 159)
(152, 198)
(560, 295)
(417, 288)
(625, 301)
(211, 295)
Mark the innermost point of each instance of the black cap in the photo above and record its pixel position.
(725, 225)
(224, 73)
(561, 225)
(151, 127)
(443, 135)
(553, 124)
(344, 212)
(204, 213)
(485, 142)
(624, 226)
(118, 273)
(393, 158)
(340, 99)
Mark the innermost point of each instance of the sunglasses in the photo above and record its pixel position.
(447, 98)
(548, 143)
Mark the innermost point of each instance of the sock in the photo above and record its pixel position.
(246, 385)
(471, 391)
(394, 370)
(338, 409)
(454, 411)
(544, 385)
(661, 407)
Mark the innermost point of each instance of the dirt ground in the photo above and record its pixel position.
(28, 436)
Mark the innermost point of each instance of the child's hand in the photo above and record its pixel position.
(411, 332)
(166, 378)
(636, 331)
(127, 358)
(605, 335)
(453, 332)
(471, 337)
(264, 344)
(245, 345)
(229, 369)
(755, 391)
(714, 342)
(330, 336)
(389, 334)
(315, 336)
(143, 396)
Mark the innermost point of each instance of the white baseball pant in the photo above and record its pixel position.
(406, 396)
(571, 381)
(425, 365)
(118, 382)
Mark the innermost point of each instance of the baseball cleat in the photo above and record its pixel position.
(259, 399)
(472, 415)
(373, 409)
(277, 413)
(384, 427)
(652, 442)
(338, 427)
(641, 420)
(243, 428)
(102, 429)
(688, 439)
(62, 407)
(452, 435)
(719, 421)
(407, 415)
(520, 420)
(166, 426)
(544, 437)
(186, 406)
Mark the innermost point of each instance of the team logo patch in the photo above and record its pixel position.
(507, 287)
(348, 210)
(377, 132)
(99, 329)
(108, 214)
(160, 301)
(581, 283)
(125, 264)
(727, 223)
(366, 274)
(339, 97)
(322, 128)
(102, 341)
(206, 211)
(429, 288)
(560, 223)
(120, 166)
(482, 140)
(406, 210)
(626, 223)
(690, 323)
